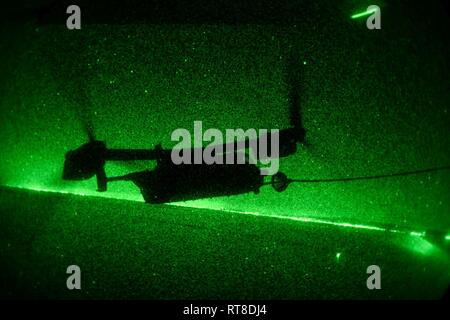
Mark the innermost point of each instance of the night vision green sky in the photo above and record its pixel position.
(373, 102)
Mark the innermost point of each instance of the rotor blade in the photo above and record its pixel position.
(72, 76)
(76, 94)
(86, 122)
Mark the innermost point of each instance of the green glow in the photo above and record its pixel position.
(417, 234)
(363, 14)
(192, 204)
(309, 220)
(420, 246)
(212, 73)
(94, 194)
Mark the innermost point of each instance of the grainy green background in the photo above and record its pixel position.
(374, 102)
